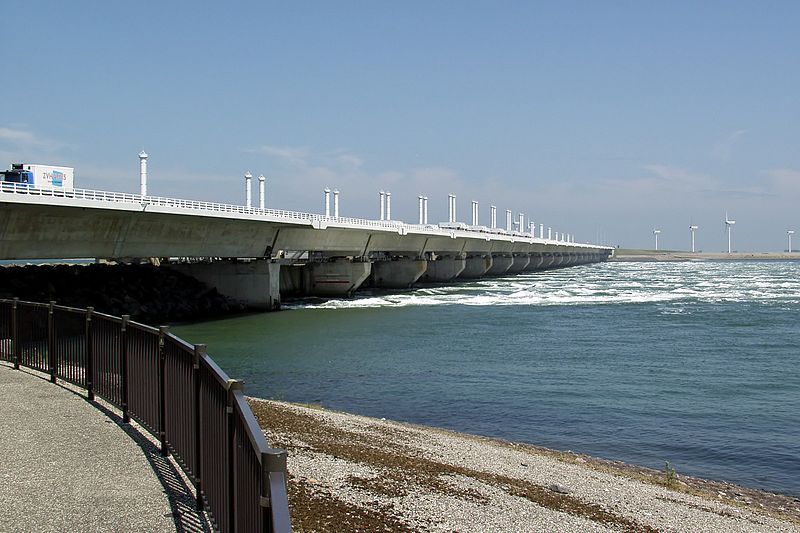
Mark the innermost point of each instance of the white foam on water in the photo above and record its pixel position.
(604, 284)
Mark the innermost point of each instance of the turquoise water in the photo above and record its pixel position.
(697, 364)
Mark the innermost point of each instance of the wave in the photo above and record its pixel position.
(605, 284)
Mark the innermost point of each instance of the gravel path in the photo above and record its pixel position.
(69, 465)
(352, 473)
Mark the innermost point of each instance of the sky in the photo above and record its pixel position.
(601, 119)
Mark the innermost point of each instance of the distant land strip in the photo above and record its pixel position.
(631, 255)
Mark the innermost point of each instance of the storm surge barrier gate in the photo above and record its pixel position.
(172, 389)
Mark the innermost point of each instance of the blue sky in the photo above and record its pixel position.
(597, 118)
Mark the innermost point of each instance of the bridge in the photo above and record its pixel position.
(255, 254)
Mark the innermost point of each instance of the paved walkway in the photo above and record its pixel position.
(69, 465)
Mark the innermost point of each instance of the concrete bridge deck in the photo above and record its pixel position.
(67, 465)
(285, 252)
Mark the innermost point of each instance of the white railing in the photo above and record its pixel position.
(128, 198)
(173, 203)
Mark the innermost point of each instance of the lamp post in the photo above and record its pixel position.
(789, 234)
(656, 232)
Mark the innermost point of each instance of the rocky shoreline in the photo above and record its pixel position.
(354, 473)
(150, 294)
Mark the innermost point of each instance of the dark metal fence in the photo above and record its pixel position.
(173, 390)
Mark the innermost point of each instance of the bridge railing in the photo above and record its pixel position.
(128, 198)
(174, 390)
(290, 216)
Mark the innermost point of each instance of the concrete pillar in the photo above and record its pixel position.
(388, 206)
(143, 173)
(520, 263)
(334, 278)
(327, 202)
(500, 265)
(336, 203)
(261, 192)
(536, 261)
(541, 231)
(493, 216)
(443, 269)
(508, 220)
(255, 284)
(421, 210)
(548, 258)
(397, 274)
(549, 234)
(476, 266)
(383, 204)
(425, 209)
(248, 196)
(532, 228)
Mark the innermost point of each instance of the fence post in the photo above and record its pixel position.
(51, 343)
(199, 350)
(230, 445)
(162, 390)
(272, 460)
(15, 333)
(126, 418)
(89, 356)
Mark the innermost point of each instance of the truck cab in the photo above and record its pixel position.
(17, 175)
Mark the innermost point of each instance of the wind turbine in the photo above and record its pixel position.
(728, 224)
(656, 232)
(789, 233)
(692, 228)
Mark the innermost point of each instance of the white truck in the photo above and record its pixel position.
(39, 176)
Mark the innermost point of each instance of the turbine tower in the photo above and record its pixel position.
(692, 228)
(728, 224)
(656, 232)
(789, 233)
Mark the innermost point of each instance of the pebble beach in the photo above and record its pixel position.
(354, 473)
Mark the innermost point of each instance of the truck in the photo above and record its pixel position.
(39, 176)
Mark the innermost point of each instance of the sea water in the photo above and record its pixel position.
(695, 363)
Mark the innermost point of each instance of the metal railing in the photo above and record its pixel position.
(289, 216)
(172, 389)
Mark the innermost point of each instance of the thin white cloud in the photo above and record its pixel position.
(17, 136)
(350, 160)
(23, 139)
(723, 149)
(292, 154)
(785, 180)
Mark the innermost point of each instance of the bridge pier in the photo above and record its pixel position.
(397, 273)
(519, 264)
(500, 265)
(255, 283)
(340, 277)
(444, 269)
(548, 260)
(536, 262)
(476, 266)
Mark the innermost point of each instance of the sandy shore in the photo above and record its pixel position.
(353, 473)
(622, 255)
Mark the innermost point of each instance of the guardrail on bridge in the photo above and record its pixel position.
(172, 389)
